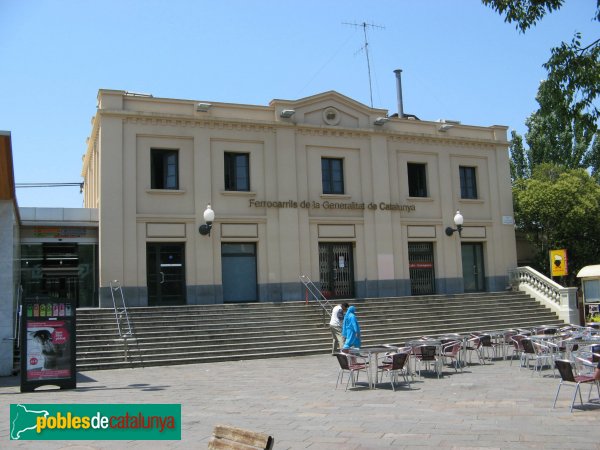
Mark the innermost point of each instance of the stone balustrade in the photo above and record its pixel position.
(561, 300)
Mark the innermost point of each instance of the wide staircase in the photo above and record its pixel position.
(210, 333)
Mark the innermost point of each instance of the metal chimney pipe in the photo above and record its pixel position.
(399, 90)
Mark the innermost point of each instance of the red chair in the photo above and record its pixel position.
(397, 364)
(452, 350)
(475, 345)
(517, 348)
(426, 354)
(353, 365)
(568, 376)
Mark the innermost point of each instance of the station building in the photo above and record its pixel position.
(324, 186)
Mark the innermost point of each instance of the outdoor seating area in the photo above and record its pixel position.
(571, 353)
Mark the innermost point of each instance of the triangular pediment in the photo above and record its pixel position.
(329, 109)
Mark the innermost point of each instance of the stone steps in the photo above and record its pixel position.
(209, 333)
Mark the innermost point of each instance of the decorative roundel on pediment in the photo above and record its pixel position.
(331, 116)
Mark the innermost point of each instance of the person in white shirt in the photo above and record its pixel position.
(335, 324)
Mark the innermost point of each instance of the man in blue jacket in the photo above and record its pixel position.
(351, 329)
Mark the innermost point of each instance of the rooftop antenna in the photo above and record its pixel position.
(364, 26)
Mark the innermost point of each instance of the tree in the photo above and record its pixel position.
(556, 134)
(559, 208)
(572, 89)
(519, 165)
(524, 12)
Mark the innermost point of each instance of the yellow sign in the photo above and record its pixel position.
(558, 262)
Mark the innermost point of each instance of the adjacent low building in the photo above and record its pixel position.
(9, 255)
(323, 186)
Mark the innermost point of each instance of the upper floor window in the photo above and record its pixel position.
(417, 180)
(237, 171)
(332, 173)
(164, 168)
(468, 182)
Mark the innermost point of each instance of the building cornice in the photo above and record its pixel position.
(260, 126)
(445, 140)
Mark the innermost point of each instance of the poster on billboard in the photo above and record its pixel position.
(48, 350)
(558, 263)
(48, 344)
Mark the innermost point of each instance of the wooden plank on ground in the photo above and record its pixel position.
(226, 437)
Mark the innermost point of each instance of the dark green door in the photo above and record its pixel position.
(473, 268)
(165, 273)
(239, 272)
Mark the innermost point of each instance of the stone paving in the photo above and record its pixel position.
(492, 406)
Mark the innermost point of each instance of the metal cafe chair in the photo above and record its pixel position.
(534, 351)
(426, 354)
(452, 351)
(353, 365)
(398, 363)
(507, 342)
(569, 377)
(475, 345)
(517, 348)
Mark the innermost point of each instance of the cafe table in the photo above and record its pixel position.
(437, 343)
(372, 353)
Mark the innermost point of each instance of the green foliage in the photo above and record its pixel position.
(557, 134)
(565, 127)
(519, 166)
(525, 13)
(593, 319)
(573, 84)
(560, 208)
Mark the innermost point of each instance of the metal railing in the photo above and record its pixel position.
(122, 316)
(318, 296)
(18, 313)
(561, 300)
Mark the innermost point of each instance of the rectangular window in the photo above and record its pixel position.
(237, 171)
(417, 180)
(164, 167)
(468, 182)
(332, 173)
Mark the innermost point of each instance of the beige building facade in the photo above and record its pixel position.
(323, 186)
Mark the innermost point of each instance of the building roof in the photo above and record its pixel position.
(589, 271)
(7, 178)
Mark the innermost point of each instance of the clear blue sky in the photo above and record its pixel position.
(459, 59)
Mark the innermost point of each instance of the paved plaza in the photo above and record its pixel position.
(492, 406)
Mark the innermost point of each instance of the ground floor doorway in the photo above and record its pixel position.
(165, 270)
(60, 271)
(238, 261)
(421, 268)
(336, 269)
(473, 267)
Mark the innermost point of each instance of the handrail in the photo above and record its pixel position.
(125, 329)
(561, 300)
(317, 294)
(18, 313)
(120, 311)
